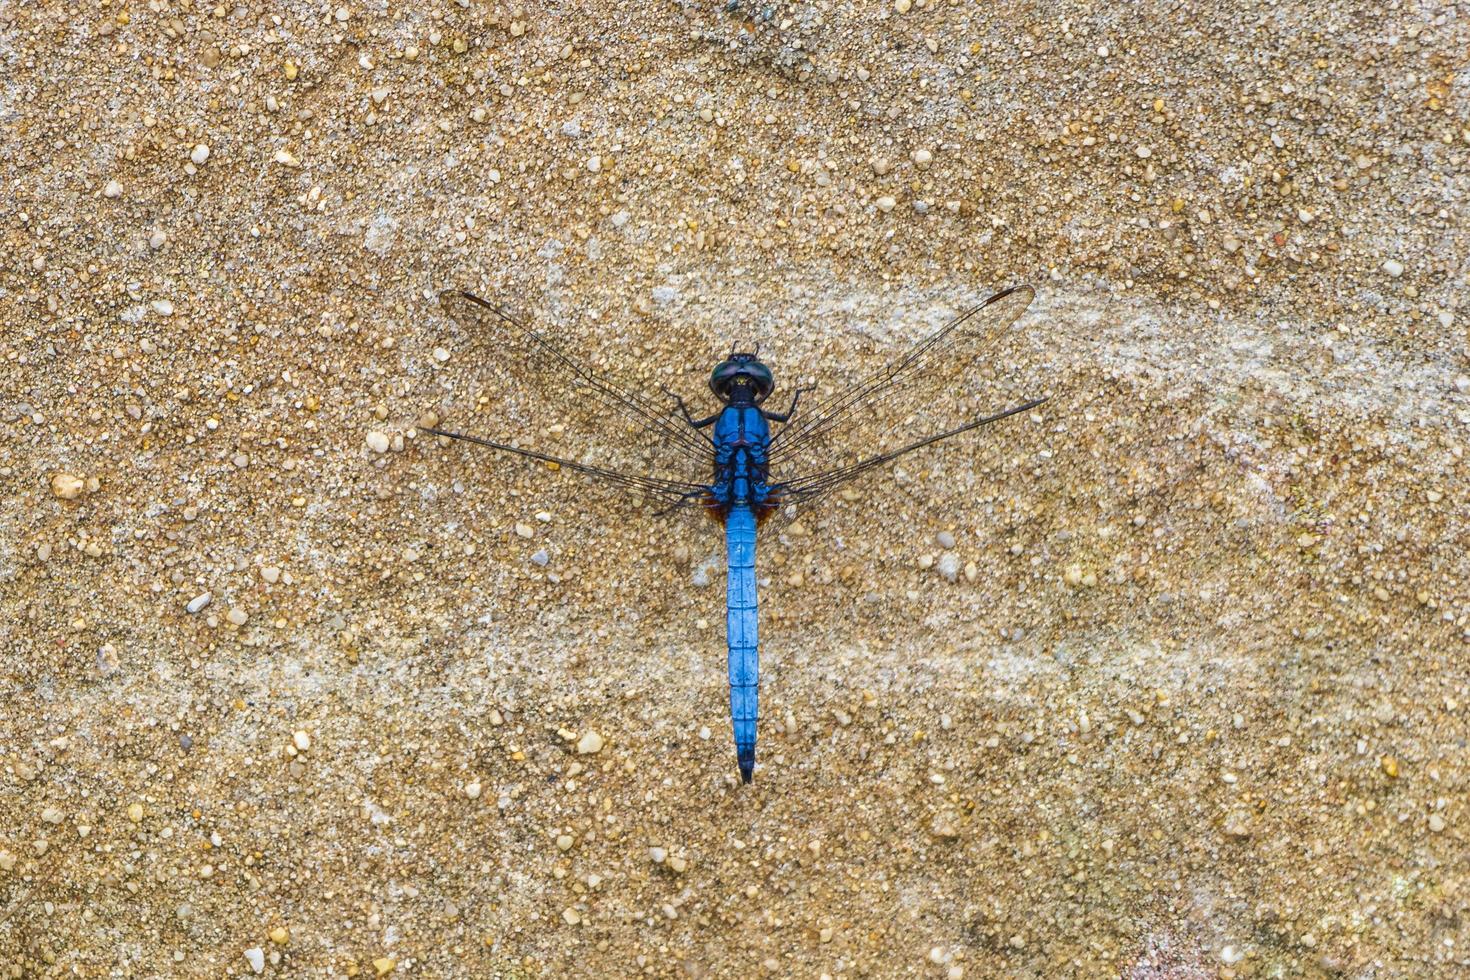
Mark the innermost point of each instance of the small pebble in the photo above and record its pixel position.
(67, 486)
(114, 188)
(1436, 823)
(1394, 268)
(949, 566)
(280, 936)
(199, 154)
(378, 442)
(945, 539)
(658, 854)
(256, 957)
(472, 790)
(107, 660)
(237, 616)
(301, 740)
(157, 240)
(886, 203)
(199, 602)
(589, 744)
(271, 574)
(541, 558)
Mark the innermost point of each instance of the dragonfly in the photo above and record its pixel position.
(744, 462)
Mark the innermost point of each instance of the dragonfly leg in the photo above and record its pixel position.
(786, 416)
(684, 409)
(684, 498)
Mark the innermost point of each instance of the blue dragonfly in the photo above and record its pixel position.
(621, 435)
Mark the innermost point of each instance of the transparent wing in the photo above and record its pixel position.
(943, 386)
(536, 401)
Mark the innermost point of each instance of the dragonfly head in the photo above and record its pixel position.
(741, 378)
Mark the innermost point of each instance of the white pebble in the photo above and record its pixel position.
(658, 854)
(67, 486)
(589, 744)
(237, 616)
(1230, 956)
(271, 574)
(301, 740)
(949, 566)
(886, 203)
(1144, 152)
(157, 240)
(922, 158)
(472, 790)
(199, 154)
(1394, 268)
(377, 441)
(441, 354)
(945, 539)
(1462, 384)
(594, 163)
(113, 188)
(163, 307)
(256, 956)
(199, 602)
(1436, 823)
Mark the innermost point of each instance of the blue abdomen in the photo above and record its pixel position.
(741, 629)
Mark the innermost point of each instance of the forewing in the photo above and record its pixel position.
(534, 398)
(954, 380)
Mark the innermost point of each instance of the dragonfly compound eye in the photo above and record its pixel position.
(729, 372)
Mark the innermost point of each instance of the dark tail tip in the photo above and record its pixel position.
(746, 758)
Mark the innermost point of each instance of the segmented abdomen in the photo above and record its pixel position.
(741, 633)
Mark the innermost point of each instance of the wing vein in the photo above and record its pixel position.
(694, 444)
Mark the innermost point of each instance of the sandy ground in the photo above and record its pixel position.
(286, 688)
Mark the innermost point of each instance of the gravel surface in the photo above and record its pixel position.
(1166, 678)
